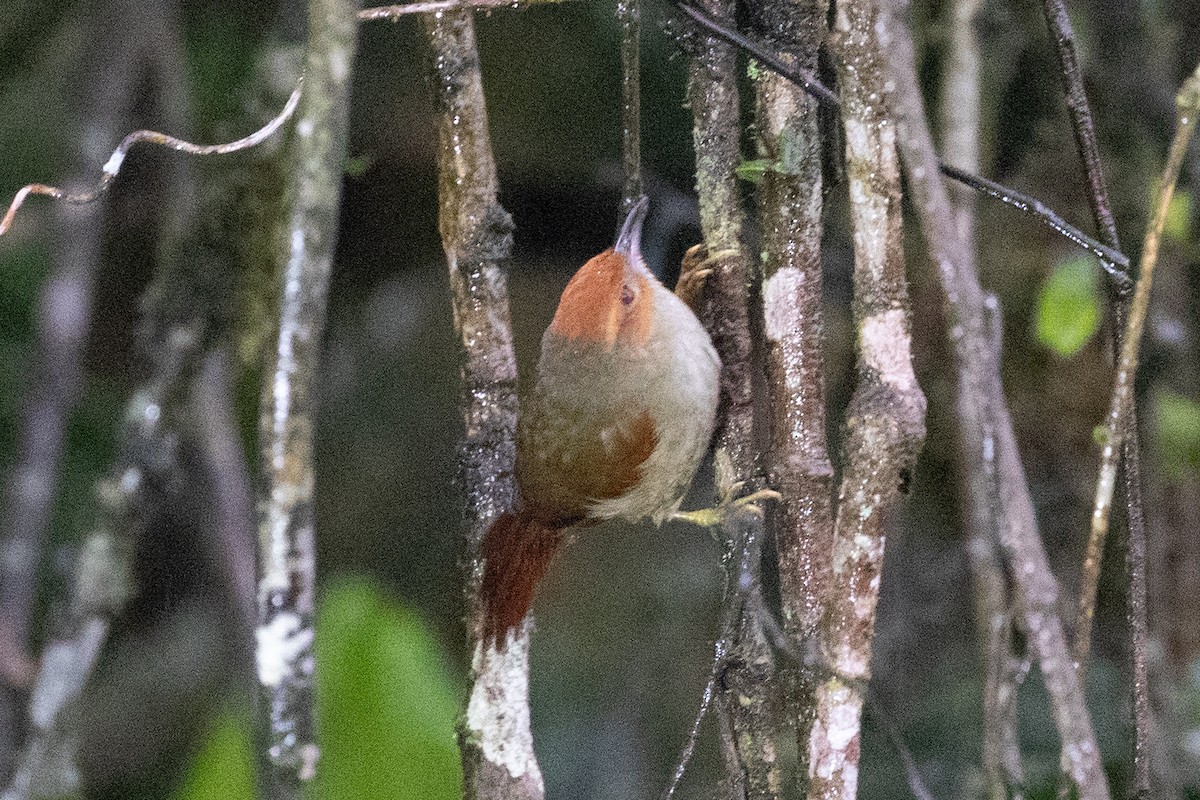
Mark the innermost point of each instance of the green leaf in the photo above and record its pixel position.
(1068, 311)
(753, 171)
(224, 767)
(387, 704)
(1179, 216)
(1177, 422)
(386, 709)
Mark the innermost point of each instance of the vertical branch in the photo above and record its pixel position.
(1130, 453)
(985, 428)
(629, 14)
(959, 111)
(494, 734)
(1122, 399)
(63, 319)
(885, 421)
(745, 702)
(791, 204)
(1063, 36)
(287, 579)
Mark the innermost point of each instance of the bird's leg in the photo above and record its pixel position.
(712, 517)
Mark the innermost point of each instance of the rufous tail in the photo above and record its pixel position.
(517, 550)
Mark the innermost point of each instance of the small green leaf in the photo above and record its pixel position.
(1177, 423)
(1068, 312)
(386, 701)
(1179, 217)
(224, 767)
(357, 166)
(386, 709)
(753, 171)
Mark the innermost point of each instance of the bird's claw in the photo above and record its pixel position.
(697, 267)
(712, 517)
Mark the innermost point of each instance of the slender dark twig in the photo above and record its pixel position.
(434, 6)
(1115, 262)
(1063, 37)
(1188, 103)
(629, 15)
(720, 652)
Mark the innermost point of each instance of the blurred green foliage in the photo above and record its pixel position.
(1068, 307)
(386, 710)
(1179, 217)
(1177, 420)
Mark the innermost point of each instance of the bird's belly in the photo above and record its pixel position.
(620, 433)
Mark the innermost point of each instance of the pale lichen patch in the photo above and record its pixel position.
(885, 348)
(281, 643)
(498, 711)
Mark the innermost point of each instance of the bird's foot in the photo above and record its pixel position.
(712, 517)
(695, 270)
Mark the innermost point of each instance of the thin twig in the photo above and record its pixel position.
(985, 424)
(629, 16)
(1188, 108)
(1115, 263)
(689, 745)
(1063, 36)
(113, 166)
(959, 111)
(287, 578)
(435, 6)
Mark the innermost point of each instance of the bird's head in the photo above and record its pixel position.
(610, 300)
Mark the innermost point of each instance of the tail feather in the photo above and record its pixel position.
(517, 549)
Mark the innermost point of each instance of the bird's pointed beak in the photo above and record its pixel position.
(629, 240)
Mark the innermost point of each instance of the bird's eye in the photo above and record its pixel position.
(627, 296)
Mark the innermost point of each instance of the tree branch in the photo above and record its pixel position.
(744, 701)
(959, 112)
(494, 734)
(287, 578)
(985, 428)
(1122, 400)
(885, 421)
(791, 206)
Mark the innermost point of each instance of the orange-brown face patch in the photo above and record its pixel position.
(604, 301)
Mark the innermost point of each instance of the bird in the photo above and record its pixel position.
(621, 414)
